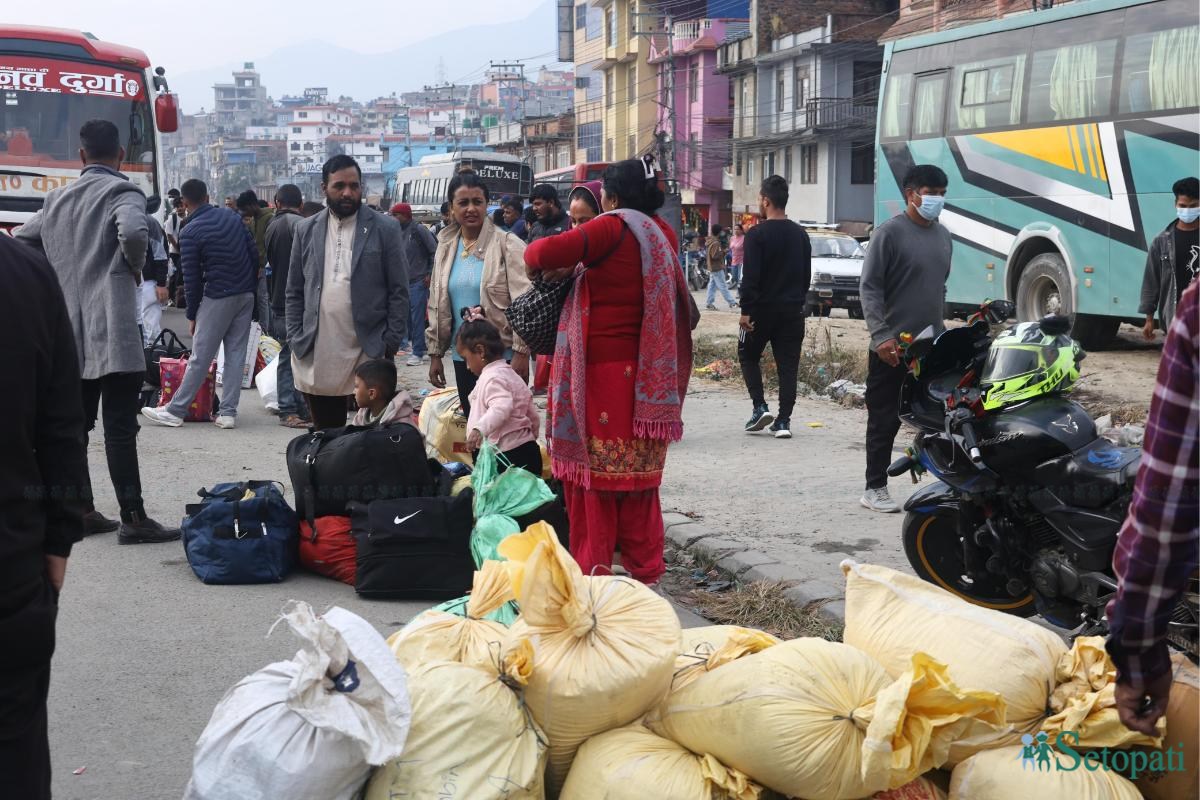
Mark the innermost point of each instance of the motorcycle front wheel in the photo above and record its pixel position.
(934, 549)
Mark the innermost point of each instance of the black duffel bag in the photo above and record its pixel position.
(333, 467)
(416, 547)
(165, 345)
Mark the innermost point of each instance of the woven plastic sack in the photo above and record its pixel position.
(823, 721)
(922, 788)
(891, 616)
(1005, 774)
(604, 647)
(708, 647)
(623, 764)
(471, 738)
(472, 639)
(310, 728)
(1084, 700)
(499, 497)
(444, 426)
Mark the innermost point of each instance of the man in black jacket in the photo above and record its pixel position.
(551, 218)
(43, 486)
(775, 279)
(293, 413)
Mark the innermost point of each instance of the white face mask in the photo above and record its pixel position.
(930, 206)
(1188, 215)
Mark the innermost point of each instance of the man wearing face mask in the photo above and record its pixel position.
(1173, 260)
(903, 288)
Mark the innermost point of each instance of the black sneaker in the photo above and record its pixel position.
(760, 419)
(782, 429)
(146, 531)
(94, 522)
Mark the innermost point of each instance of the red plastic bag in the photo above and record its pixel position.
(171, 372)
(331, 551)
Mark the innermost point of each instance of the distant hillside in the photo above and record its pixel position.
(365, 76)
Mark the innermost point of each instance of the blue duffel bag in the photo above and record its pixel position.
(241, 533)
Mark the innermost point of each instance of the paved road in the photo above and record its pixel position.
(145, 651)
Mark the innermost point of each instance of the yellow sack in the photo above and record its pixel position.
(708, 647)
(444, 426)
(603, 647)
(631, 763)
(440, 636)
(1182, 739)
(1004, 775)
(471, 737)
(890, 616)
(1084, 700)
(823, 721)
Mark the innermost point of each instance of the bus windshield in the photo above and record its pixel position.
(45, 102)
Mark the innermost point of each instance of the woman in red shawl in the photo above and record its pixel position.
(620, 370)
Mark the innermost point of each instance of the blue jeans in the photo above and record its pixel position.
(716, 281)
(290, 401)
(736, 270)
(418, 297)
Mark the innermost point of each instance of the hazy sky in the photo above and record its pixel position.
(187, 35)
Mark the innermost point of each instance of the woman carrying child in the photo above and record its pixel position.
(501, 404)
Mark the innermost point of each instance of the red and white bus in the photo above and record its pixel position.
(51, 82)
(567, 178)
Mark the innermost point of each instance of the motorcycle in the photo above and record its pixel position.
(1029, 499)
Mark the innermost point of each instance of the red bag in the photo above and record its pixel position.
(331, 551)
(171, 372)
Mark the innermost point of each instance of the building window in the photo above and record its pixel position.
(610, 27)
(609, 149)
(631, 90)
(866, 81)
(589, 140)
(808, 163)
(862, 162)
(303, 115)
(768, 164)
(595, 26)
(693, 81)
(296, 130)
(608, 89)
(800, 84)
(787, 164)
(779, 88)
(581, 17)
(737, 165)
(693, 152)
(746, 108)
(308, 146)
(750, 170)
(295, 146)
(631, 145)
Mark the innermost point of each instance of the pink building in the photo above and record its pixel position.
(703, 115)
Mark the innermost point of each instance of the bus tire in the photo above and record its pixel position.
(1045, 288)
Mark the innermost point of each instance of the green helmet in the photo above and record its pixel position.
(1027, 361)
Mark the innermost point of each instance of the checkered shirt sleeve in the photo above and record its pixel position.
(1157, 549)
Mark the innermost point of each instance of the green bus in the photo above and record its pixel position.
(1062, 131)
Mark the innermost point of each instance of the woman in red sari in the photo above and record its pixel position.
(620, 370)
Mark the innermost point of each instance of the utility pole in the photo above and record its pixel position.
(501, 74)
(665, 139)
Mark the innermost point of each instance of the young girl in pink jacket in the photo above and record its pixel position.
(502, 408)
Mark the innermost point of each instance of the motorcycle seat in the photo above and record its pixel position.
(1093, 476)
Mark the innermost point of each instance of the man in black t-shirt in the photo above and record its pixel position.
(1173, 260)
(775, 278)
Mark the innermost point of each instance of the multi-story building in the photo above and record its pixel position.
(805, 91)
(547, 142)
(241, 103)
(695, 114)
(307, 132)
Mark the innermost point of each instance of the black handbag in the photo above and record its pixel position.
(165, 345)
(534, 315)
(417, 547)
(334, 467)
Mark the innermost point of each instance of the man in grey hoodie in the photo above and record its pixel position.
(94, 233)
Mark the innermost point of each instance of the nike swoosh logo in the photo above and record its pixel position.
(402, 520)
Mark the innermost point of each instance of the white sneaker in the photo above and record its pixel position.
(414, 361)
(228, 423)
(161, 416)
(879, 500)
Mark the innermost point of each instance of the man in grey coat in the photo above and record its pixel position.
(94, 233)
(347, 293)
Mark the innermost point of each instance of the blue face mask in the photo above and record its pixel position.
(1188, 215)
(931, 206)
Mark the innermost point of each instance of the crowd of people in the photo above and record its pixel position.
(345, 288)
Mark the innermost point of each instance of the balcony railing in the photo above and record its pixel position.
(841, 112)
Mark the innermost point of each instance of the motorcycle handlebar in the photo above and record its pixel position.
(970, 442)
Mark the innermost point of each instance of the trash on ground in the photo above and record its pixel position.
(721, 369)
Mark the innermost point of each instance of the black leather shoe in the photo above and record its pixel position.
(94, 522)
(146, 531)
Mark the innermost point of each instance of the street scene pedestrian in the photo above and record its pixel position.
(514, 216)
(774, 283)
(95, 235)
(1173, 260)
(153, 289)
(714, 258)
(476, 265)
(551, 219)
(257, 218)
(220, 272)
(737, 249)
(419, 248)
(347, 293)
(903, 288)
(289, 201)
(380, 402)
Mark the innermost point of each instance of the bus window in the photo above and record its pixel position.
(987, 94)
(928, 105)
(1072, 68)
(1160, 69)
(406, 193)
(896, 107)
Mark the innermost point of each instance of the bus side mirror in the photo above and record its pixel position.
(166, 112)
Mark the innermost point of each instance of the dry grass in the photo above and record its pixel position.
(1098, 405)
(821, 362)
(764, 606)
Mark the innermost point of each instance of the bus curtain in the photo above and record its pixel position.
(1174, 58)
(1073, 81)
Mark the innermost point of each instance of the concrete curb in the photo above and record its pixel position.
(732, 558)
